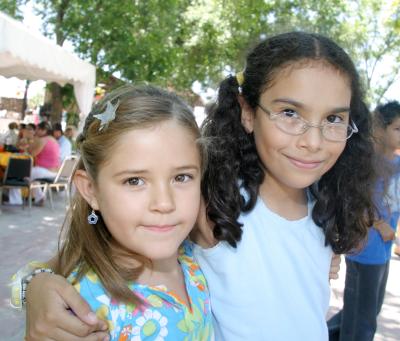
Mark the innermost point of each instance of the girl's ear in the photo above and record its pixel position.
(85, 186)
(247, 115)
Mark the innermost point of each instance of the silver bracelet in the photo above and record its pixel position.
(27, 279)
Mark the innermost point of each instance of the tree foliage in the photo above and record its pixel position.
(176, 42)
(12, 7)
(373, 38)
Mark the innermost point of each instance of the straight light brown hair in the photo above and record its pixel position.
(91, 247)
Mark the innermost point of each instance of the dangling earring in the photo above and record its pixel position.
(92, 218)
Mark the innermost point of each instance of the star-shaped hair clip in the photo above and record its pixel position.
(107, 115)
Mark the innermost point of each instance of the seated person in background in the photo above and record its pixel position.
(31, 126)
(26, 137)
(22, 145)
(70, 135)
(21, 130)
(46, 153)
(63, 142)
(11, 137)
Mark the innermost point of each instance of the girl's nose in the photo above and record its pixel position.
(162, 199)
(311, 139)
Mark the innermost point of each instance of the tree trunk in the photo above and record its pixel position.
(25, 100)
(56, 103)
(55, 89)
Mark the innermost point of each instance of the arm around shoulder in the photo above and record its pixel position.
(55, 308)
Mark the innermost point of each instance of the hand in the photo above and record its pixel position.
(385, 230)
(335, 267)
(50, 299)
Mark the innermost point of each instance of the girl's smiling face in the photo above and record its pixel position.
(319, 94)
(148, 191)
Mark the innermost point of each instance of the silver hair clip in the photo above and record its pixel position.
(107, 115)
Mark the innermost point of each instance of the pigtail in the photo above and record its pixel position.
(233, 162)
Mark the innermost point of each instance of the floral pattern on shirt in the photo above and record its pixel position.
(165, 317)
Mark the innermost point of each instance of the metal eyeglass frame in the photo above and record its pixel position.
(308, 125)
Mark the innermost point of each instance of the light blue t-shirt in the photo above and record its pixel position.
(376, 251)
(274, 285)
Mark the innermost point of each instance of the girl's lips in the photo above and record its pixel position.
(159, 228)
(305, 164)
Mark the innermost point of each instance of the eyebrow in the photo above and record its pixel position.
(145, 171)
(301, 105)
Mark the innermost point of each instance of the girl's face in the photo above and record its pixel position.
(316, 92)
(148, 192)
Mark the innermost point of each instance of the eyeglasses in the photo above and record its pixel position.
(290, 123)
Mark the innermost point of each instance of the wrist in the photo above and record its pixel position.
(27, 279)
(21, 280)
(378, 224)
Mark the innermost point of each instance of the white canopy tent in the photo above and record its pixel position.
(27, 55)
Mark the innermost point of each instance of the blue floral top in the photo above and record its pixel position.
(164, 317)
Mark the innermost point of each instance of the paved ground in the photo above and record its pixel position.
(389, 318)
(24, 236)
(33, 235)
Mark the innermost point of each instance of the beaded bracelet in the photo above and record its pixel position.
(27, 279)
(20, 280)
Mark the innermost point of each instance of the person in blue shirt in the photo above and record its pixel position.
(64, 143)
(367, 270)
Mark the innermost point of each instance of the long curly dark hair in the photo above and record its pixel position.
(343, 207)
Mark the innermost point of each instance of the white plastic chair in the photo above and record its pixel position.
(62, 179)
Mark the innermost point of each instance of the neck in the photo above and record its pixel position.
(151, 268)
(388, 153)
(154, 272)
(288, 202)
(159, 272)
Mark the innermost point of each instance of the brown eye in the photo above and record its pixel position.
(334, 119)
(289, 113)
(183, 177)
(135, 181)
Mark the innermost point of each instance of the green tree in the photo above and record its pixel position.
(53, 12)
(372, 34)
(141, 40)
(12, 7)
(367, 29)
(223, 31)
(175, 42)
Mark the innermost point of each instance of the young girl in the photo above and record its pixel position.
(125, 247)
(367, 271)
(288, 181)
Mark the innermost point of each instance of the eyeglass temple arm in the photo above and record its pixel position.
(354, 127)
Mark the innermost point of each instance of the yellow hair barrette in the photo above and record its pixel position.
(240, 78)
